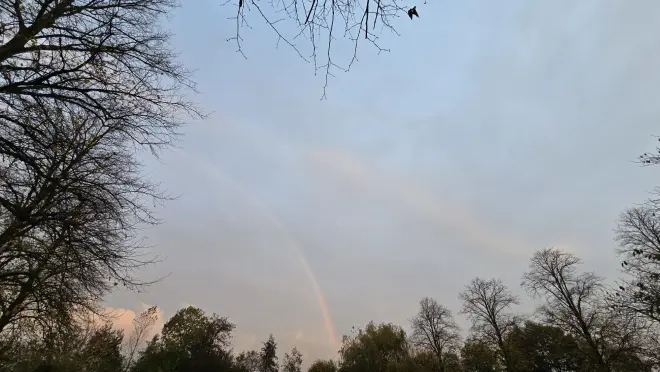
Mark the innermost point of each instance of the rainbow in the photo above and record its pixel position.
(291, 241)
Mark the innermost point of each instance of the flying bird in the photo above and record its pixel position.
(413, 11)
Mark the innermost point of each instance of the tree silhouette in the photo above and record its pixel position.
(269, 356)
(84, 86)
(487, 304)
(434, 330)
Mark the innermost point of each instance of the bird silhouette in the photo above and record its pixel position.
(413, 11)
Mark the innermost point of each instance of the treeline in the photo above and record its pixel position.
(582, 326)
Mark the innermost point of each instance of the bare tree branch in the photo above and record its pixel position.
(435, 331)
(142, 324)
(574, 302)
(322, 23)
(84, 86)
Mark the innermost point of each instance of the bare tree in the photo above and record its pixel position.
(322, 24)
(573, 300)
(81, 204)
(142, 325)
(487, 304)
(638, 234)
(434, 330)
(84, 86)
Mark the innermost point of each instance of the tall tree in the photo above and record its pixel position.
(190, 341)
(487, 304)
(434, 330)
(142, 325)
(573, 300)
(292, 362)
(269, 355)
(84, 86)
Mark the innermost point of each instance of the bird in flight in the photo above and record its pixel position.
(413, 11)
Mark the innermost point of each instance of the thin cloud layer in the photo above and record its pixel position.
(448, 215)
(122, 319)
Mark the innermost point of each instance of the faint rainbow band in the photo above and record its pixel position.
(267, 213)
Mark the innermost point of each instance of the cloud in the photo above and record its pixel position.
(245, 341)
(456, 219)
(123, 319)
(184, 305)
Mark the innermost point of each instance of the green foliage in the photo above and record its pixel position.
(80, 348)
(268, 355)
(426, 361)
(190, 341)
(377, 348)
(322, 365)
(248, 361)
(478, 356)
(292, 362)
(544, 348)
(193, 341)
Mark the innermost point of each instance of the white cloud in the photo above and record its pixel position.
(123, 319)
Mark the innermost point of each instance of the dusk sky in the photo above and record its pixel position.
(490, 130)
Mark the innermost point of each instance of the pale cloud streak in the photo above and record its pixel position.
(122, 319)
(284, 233)
(448, 215)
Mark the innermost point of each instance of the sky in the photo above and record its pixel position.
(490, 130)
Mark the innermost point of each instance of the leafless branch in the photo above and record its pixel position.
(487, 304)
(573, 299)
(319, 22)
(84, 86)
(434, 330)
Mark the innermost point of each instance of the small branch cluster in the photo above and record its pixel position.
(321, 23)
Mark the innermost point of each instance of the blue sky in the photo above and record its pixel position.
(492, 129)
